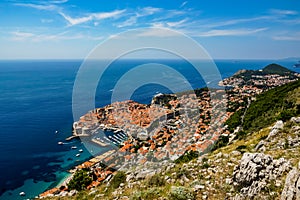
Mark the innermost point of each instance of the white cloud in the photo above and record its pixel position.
(18, 36)
(129, 22)
(92, 16)
(37, 6)
(230, 32)
(58, 1)
(176, 24)
(106, 15)
(183, 4)
(34, 37)
(288, 37)
(46, 20)
(141, 12)
(283, 12)
(234, 21)
(148, 11)
(75, 21)
(158, 25)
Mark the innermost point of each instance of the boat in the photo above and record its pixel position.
(56, 131)
(80, 150)
(60, 143)
(77, 155)
(73, 147)
(22, 194)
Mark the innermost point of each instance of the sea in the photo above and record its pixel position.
(36, 114)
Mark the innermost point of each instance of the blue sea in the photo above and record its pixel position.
(36, 102)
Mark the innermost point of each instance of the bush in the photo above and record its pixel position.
(80, 180)
(286, 115)
(221, 142)
(235, 120)
(183, 172)
(187, 157)
(240, 135)
(205, 165)
(279, 102)
(156, 180)
(182, 193)
(152, 193)
(119, 178)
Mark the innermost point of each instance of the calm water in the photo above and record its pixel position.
(36, 101)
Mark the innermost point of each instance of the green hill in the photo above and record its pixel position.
(269, 69)
(276, 69)
(278, 103)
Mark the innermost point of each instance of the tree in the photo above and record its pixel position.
(80, 180)
(119, 178)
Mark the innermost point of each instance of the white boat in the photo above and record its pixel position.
(60, 143)
(56, 131)
(22, 194)
(77, 155)
(73, 147)
(80, 150)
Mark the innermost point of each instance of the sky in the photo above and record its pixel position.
(70, 29)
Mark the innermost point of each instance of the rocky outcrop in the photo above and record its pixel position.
(291, 188)
(255, 172)
(275, 129)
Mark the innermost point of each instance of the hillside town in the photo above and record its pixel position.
(166, 129)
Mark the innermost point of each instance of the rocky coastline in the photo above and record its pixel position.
(160, 133)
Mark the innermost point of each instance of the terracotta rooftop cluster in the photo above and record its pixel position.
(241, 89)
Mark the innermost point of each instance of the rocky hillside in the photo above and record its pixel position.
(259, 159)
(264, 165)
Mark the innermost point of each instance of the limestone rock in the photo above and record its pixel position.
(291, 188)
(278, 125)
(254, 171)
(295, 119)
(259, 145)
(145, 173)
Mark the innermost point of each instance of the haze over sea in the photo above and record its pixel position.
(36, 101)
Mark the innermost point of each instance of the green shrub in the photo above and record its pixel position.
(187, 157)
(205, 165)
(182, 193)
(235, 120)
(80, 180)
(156, 180)
(240, 135)
(286, 115)
(241, 147)
(119, 178)
(274, 104)
(151, 193)
(183, 172)
(221, 142)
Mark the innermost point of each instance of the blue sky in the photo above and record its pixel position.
(70, 29)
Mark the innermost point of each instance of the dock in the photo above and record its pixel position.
(103, 144)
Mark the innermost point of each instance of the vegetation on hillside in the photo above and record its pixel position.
(80, 180)
(269, 69)
(195, 176)
(277, 103)
(276, 69)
